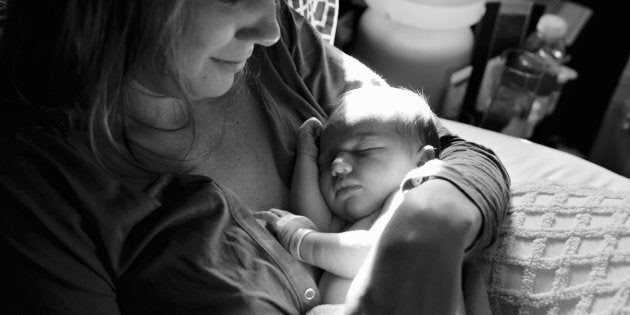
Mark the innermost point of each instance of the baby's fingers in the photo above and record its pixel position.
(268, 216)
(311, 126)
(279, 212)
(307, 137)
(284, 217)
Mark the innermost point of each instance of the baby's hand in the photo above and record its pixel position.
(285, 225)
(307, 138)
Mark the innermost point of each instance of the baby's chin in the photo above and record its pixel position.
(355, 211)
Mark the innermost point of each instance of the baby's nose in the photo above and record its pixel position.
(340, 166)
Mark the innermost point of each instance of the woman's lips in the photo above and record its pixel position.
(230, 65)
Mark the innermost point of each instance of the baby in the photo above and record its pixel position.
(367, 147)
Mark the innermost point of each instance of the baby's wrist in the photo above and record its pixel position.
(309, 155)
(297, 241)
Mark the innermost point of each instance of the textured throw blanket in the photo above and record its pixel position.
(563, 249)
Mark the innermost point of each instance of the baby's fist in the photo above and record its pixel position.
(307, 137)
(284, 224)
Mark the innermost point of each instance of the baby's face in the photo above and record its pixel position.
(361, 165)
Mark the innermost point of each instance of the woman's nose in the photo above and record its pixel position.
(340, 166)
(262, 27)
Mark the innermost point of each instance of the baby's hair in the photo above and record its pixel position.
(408, 110)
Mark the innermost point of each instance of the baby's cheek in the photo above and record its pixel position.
(325, 185)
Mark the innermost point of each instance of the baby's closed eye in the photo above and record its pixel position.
(366, 150)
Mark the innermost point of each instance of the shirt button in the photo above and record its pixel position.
(309, 294)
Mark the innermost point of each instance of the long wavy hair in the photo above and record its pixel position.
(72, 59)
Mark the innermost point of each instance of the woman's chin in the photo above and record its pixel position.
(212, 89)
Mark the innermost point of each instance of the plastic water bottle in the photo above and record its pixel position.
(548, 42)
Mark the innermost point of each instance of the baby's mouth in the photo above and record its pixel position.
(345, 190)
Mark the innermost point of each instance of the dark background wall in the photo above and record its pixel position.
(599, 55)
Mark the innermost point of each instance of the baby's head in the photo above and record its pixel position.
(375, 136)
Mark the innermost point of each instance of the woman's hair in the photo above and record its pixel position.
(74, 58)
(408, 111)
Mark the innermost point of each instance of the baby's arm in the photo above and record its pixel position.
(340, 253)
(306, 197)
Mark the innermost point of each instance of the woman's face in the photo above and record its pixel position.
(216, 43)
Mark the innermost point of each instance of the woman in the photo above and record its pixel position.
(144, 135)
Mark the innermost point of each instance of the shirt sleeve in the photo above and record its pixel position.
(480, 175)
(328, 72)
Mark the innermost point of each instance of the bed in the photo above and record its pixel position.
(527, 161)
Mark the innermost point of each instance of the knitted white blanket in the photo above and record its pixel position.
(562, 250)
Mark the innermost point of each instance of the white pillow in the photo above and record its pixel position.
(563, 249)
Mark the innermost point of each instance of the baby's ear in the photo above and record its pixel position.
(425, 154)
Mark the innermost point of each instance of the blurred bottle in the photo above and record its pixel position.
(548, 42)
(418, 44)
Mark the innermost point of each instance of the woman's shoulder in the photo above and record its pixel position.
(40, 165)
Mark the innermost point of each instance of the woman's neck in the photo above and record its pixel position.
(169, 127)
(153, 110)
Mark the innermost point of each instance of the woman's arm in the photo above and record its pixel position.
(477, 174)
(415, 266)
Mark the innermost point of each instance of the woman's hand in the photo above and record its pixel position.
(307, 138)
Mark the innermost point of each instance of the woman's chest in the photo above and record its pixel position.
(243, 158)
